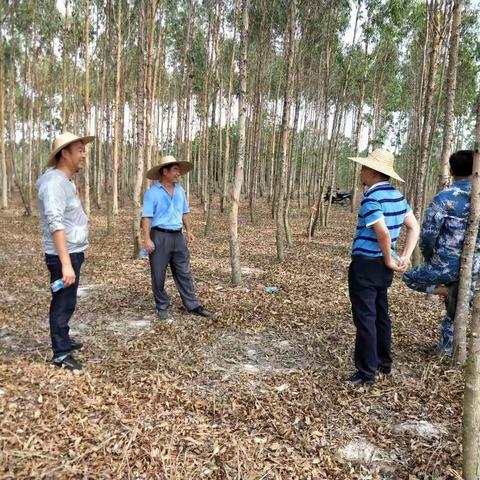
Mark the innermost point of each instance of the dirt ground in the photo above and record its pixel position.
(252, 394)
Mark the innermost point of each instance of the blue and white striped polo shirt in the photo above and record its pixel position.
(380, 201)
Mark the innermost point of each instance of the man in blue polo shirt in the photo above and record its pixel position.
(382, 214)
(165, 212)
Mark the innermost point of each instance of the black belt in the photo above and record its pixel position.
(166, 231)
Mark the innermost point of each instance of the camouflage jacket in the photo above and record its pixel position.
(444, 225)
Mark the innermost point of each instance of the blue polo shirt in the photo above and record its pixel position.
(381, 201)
(165, 211)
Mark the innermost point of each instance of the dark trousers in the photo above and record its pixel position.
(171, 249)
(63, 303)
(368, 282)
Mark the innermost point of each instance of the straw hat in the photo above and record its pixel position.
(64, 140)
(154, 172)
(381, 161)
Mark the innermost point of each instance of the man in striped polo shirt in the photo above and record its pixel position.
(383, 212)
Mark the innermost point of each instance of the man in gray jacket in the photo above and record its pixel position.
(65, 238)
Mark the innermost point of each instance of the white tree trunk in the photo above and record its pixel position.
(236, 275)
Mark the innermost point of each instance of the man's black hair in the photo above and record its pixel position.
(461, 163)
(167, 167)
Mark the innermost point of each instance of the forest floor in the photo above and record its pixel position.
(254, 393)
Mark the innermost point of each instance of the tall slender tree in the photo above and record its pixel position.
(236, 273)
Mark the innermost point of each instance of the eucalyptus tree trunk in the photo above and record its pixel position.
(284, 135)
(152, 10)
(271, 182)
(444, 173)
(427, 108)
(86, 102)
(469, 248)
(140, 121)
(3, 163)
(471, 400)
(236, 274)
(117, 133)
(64, 69)
(291, 170)
(358, 122)
(11, 122)
(226, 158)
(339, 112)
(215, 63)
(319, 210)
(188, 106)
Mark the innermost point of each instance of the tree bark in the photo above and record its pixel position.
(86, 103)
(284, 135)
(427, 111)
(3, 163)
(140, 121)
(465, 277)
(117, 132)
(444, 173)
(236, 274)
(471, 401)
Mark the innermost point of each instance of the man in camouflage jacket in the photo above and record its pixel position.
(441, 243)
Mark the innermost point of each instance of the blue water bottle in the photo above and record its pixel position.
(56, 285)
(143, 252)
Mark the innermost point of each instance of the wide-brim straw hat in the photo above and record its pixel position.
(380, 160)
(154, 172)
(64, 140)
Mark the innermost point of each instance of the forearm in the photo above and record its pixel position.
(186, 223)
(146, 227)
(410, 242)
(385, 244)
(60, 242)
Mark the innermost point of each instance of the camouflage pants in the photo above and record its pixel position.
(425, 278)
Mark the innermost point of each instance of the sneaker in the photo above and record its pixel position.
(74, 345)
(201, 312)
(358, 379)
(164, 315)
(68, 362)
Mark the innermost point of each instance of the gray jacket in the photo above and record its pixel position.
(60, 209)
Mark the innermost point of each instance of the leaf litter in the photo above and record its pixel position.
(253, 393)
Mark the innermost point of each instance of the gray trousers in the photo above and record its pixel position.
(171, 249)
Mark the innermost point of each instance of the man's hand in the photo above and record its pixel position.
(190, 237)
(68, 276)
(149, 245)
(404, 260)
(398, 267)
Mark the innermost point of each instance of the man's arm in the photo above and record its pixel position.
(60, 242)
(147, 241)
(187, 225)
(385, 244)
(413, 232)
(432, 223)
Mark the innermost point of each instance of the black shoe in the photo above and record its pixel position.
(358, 379)
(386, 372)
(74, 345)
(164, 315)
(69, 362)
(201, 312)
